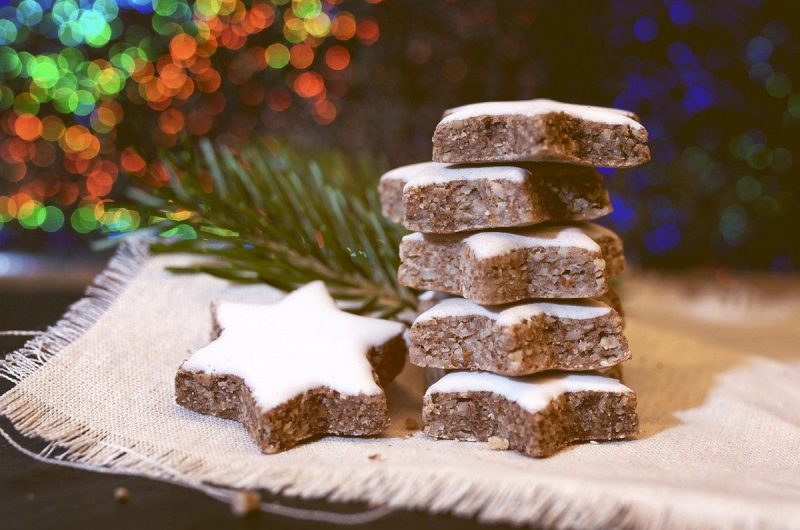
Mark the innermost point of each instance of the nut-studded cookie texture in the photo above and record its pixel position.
(295, 369)
(540, 130)
(500, 267)
(538, 415)
(442, 199)
(518, 339)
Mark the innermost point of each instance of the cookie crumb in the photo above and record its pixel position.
(411, 424)
(245, 502)
(121, 495)
(375, 456)
(498, 444)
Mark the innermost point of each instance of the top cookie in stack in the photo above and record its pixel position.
(500, 215)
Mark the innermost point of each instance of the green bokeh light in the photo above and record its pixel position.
(83, 220)
(65, 100)
(86, 103)
(31, 215)
(44, 71)
(782, 160)
(29, 13)
(6, 97)
(8, 32)
(10, 65)
(96, 31)
(180, 232)
(165, 7)
(65, 11)
(54, 219)
(25, 103)
(277, 56)
(71, 33)
(307, 9)
(120, 220)
(779, 85)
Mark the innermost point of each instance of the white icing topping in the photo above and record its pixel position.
(406, 173)
(510, 315)
(414, 236)
(536, 107)
(577, 310)
(298, 344)
(457, 307)
(533, 393)
(427, 173)
(446, 173)
(427, 296)
(492, 244)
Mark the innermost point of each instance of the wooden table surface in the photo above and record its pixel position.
(44, 496)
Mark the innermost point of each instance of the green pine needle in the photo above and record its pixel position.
(274, 215)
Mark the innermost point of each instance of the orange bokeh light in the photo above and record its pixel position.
(301, 56)
(344, 26)
(324, 111)
(53, 128)
(337, 58)
(131, 161)
(28, 127)
(182, 47)
(309, 84)
(171, 121)
(368, 31)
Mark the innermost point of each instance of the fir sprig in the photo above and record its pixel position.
(275, 215)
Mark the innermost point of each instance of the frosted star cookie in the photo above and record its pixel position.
(295, 369)
(441, 198)
(540, 130)
(518, 339)
(428, 299)
(536, 415)
(500, 267)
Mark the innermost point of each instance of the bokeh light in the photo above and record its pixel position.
(91, 90)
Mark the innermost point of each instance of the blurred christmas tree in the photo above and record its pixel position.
(93, 89)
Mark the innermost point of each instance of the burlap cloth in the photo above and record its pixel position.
(719, 397)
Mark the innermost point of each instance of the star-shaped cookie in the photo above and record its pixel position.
(295, 369)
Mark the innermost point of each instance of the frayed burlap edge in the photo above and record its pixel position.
(557, 504)
(104, 290)
(70, 443)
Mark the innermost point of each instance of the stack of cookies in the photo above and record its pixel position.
(519, 315)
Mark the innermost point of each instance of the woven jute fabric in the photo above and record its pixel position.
(718, 382)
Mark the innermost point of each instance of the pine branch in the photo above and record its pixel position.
(274, 215)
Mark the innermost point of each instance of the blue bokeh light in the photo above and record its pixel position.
(645, 29)
(680, 54)
(681, 12)
(759, 49)
(662, 239)
(624, 215)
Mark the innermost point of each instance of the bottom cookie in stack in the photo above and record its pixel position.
(536, 415)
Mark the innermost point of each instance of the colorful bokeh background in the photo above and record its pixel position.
(90, 91)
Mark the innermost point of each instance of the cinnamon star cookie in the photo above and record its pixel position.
(295, 369)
